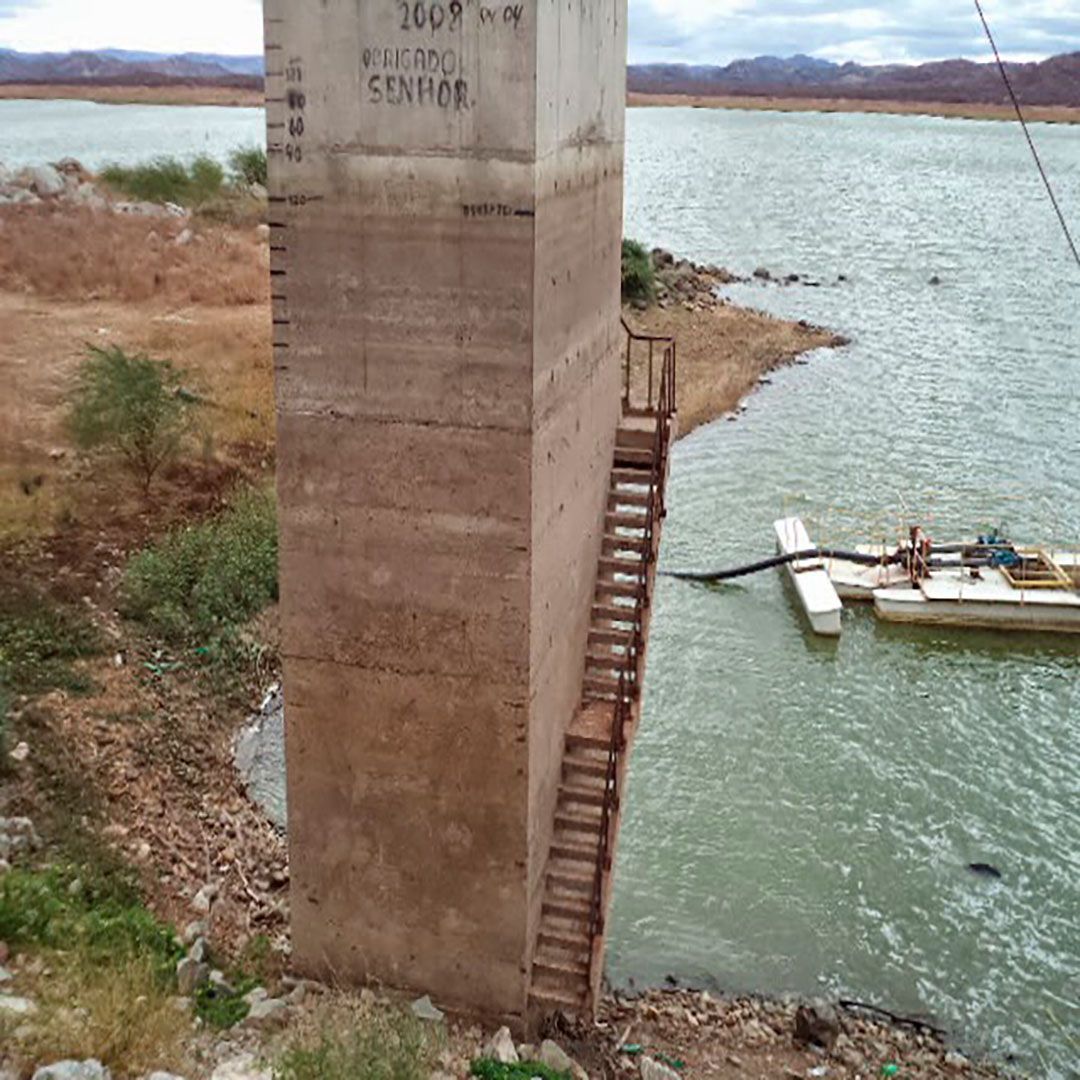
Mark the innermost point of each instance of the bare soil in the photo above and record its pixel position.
(193, 94)
(1049, 114)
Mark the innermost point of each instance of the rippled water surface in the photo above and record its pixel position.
(35, 131)
(800, 814)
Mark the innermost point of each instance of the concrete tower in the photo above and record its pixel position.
(446, 208)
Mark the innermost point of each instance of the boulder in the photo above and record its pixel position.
(190, 975)
(500, 1048)
(762, 274)
(245, 1067)
(817, 1024)
(555, 1057)
(204, 898)
(657, 1070)
(424, 1009)
(46, 181)
(12, 1007)
(74, 1070)
(199, 951)
(267, 1013)
(17, 837)
(18, 197)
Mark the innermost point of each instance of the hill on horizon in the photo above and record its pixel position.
(1055, 81)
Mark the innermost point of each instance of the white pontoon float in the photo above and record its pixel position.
(818, 596)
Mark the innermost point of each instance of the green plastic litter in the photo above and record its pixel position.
(633, 1048)
(675, 1063)
(892, 1069)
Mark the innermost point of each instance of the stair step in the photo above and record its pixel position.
(623, 497)
(628, 475)
(582, 794)
(638, 438)
(623, 639)
(563, 941)
(614, 542)
(604, 658)
(579, 767)
(556, 1000)
(581, 741)
(608, 587)
(618, 565)
(633, 455)
(581, 825)
(575, 911)
(561, 969)
(571, 882)
(624, 519)
(613, 613)
(602, 683)
(580, 853)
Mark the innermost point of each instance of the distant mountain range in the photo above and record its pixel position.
(117, 67)
(1049, 82)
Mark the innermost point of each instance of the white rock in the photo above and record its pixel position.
(953, 1060)
(204, 898)
(258, 191)
(184, 238)
(244, 1067)
(16, 1006)
(164, 1076)
(199, 951)
(501, 1048)
(190, 975)
(425, 1009)
(193, 931)
(555, 1057)
(655, 1070)
(89, 196)
(175, 211)
(258, 994)
(5, 866)
(20, 753)
(269, 1013)
(262, 231)
(74, 1070)
(46, 181)
(5, 975)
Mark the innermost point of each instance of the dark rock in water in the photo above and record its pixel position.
(817, 1024)
(935, 280)
(841, 277)
(791, 279)
(762, 274)
(671, 980)
(985, 870)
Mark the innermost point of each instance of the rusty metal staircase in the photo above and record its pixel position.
(568, 960)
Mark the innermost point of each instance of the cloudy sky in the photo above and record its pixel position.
(697, 31)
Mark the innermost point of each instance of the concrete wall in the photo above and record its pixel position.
(445, 268)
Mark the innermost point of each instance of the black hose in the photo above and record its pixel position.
(860, 557)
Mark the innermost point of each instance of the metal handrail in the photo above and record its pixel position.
(628, 673)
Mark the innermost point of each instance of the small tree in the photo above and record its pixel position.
(248, 164)
(638, 276)
(132, 406)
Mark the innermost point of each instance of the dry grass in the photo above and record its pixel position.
(138, 95)
(68, 254)
(121, 1015)
(723, 353)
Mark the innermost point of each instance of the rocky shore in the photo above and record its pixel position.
(725, 351)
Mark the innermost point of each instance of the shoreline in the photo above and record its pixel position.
(726, 351)
(1045, 114)
(240, 97)
(187, 94)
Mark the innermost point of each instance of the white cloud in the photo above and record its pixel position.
(225, 26)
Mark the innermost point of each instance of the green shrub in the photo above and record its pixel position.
(76, 910)
(131, 406)
(487, 1069)
(638, 276)
(38, 644)
(384, 1045)
(223, 1007)
(199, 585)
(248, 164)
(168, 180)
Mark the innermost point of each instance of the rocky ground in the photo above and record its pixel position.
(131, 763)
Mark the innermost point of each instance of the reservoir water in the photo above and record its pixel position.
(800, 814)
